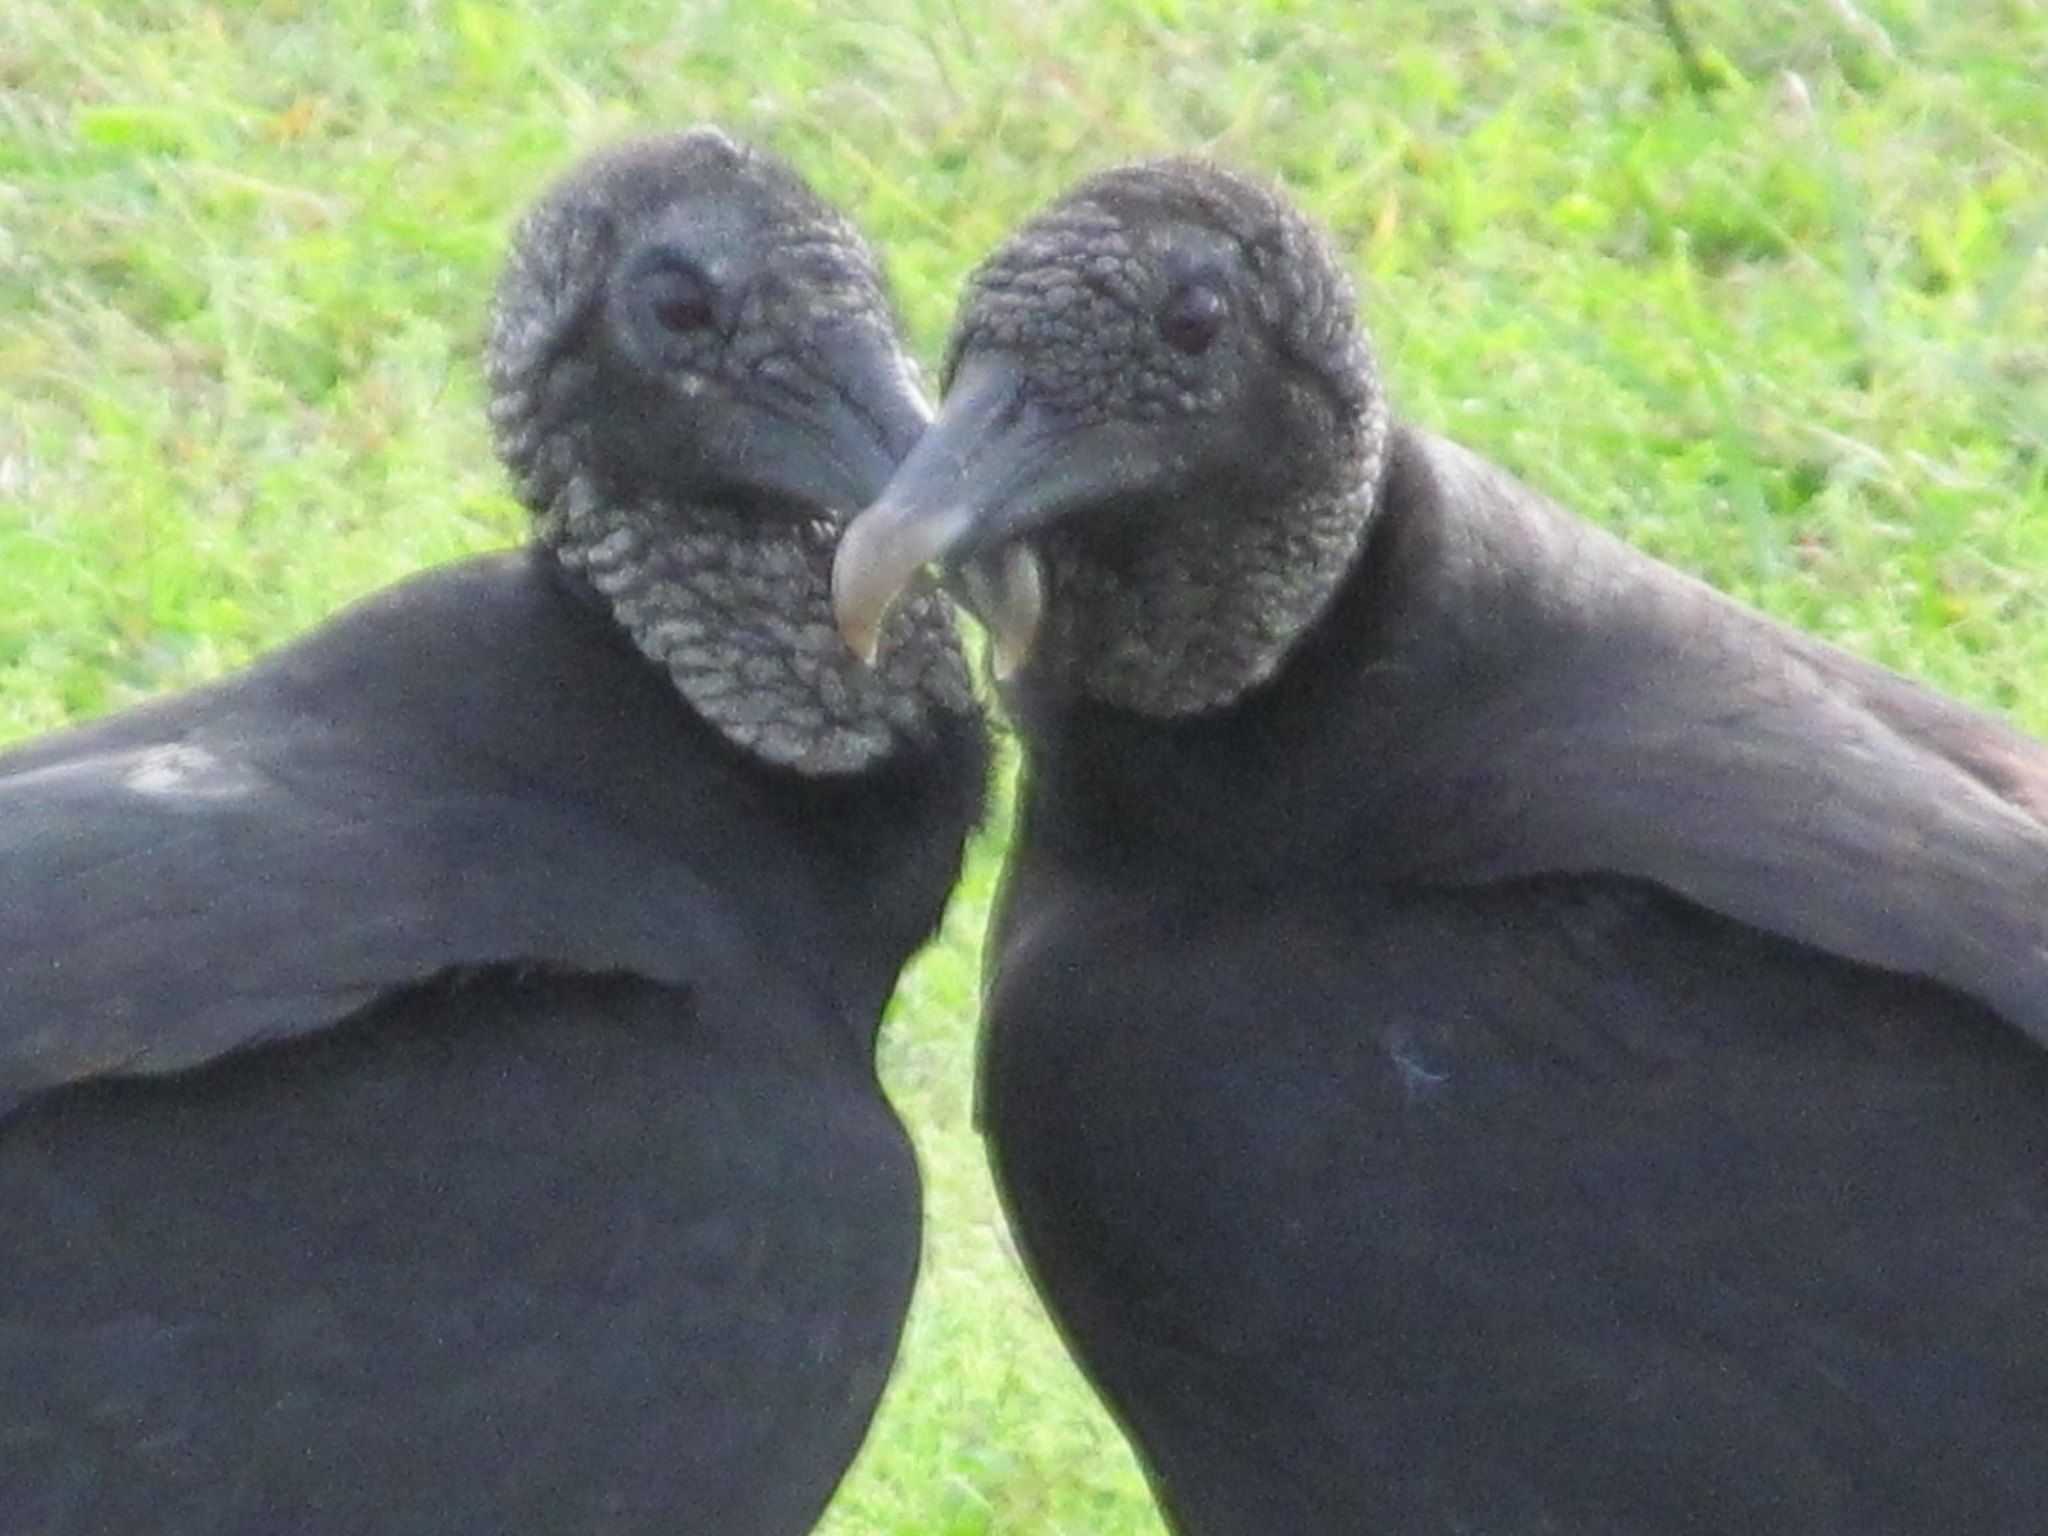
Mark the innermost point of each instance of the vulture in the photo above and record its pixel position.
(436, 1062)
(1484, 1034)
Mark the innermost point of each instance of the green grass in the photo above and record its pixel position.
(1792, 335)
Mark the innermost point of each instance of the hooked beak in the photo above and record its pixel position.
(989, 472)
(837, 450)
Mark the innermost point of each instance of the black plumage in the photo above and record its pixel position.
(1484, 1034)
(436, 1063)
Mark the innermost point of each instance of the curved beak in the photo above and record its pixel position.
(837, 449)
(989, 472)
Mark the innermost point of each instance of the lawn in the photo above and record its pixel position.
(1781, 319)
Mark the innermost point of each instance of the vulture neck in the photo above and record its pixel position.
(1343, 733)
(1197, 609)
(737, 609)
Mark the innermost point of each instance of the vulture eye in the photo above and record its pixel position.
(680, 299)
(1193, 318)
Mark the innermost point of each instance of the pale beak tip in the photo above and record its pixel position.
(879, 557)
(1008, 596)
(857, 609)
(862, 637)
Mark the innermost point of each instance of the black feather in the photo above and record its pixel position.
(1536, 1047)
(436, 1063)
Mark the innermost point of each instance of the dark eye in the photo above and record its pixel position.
(1193, 318)
(680, 299)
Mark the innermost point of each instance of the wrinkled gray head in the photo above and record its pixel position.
(1158, 386)
(696, 379)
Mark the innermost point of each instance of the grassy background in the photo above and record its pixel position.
(1791, 333)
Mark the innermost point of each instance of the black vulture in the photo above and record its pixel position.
(436, 1063)
(1484, 1034)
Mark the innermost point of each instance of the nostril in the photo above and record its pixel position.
(1192, 319)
